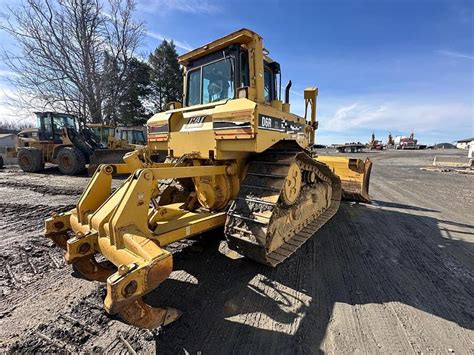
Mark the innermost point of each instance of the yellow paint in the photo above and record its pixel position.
(130, 229)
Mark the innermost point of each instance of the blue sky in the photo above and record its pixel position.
(385, 65)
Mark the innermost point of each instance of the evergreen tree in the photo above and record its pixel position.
(125, 103)
(166, 76)
(112, 89)
(132, 111)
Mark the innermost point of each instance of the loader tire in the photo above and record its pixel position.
(71, 161)
(30, 160)
(1, 162)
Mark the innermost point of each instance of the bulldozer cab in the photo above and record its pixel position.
(232, 91)
(118, 140)
(102, 132)
(226, 74)
(213, 78)
(117, 136)
(131, 135)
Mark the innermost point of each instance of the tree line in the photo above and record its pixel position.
(81, 57)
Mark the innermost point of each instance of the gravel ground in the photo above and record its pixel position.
(394, 276)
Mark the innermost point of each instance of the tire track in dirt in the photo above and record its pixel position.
(383, 321)
(26, 262)
(368, 324)
(43, 189)
(82, 325)
(26, 254)
(431, 264)
(25, 219)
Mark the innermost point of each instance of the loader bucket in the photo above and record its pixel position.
(105, 156)
(354, 174)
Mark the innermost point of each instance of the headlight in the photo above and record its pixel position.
(243, 92)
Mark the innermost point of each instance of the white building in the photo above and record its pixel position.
(464, 143)
(7, 140)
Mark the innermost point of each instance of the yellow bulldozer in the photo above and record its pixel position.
(236, 157)
(119, 137)
(118, 140)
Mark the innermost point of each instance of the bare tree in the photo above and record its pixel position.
(7, 126)
(63, 45)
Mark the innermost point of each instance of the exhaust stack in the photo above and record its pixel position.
(287, 92)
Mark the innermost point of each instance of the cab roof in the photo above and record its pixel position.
(242, 36)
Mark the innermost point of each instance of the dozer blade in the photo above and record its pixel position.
(106, 156)
(354, 174)
(453, 162)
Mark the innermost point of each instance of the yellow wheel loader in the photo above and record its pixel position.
(237, 157)
(58, 139)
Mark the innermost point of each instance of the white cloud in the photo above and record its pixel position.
(10, 110)
(400, 116)
(7, 73)
(180, 44)
(296, 93)
(453, 54)
(188, 6)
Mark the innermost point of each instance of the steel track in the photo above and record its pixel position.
(251, 212)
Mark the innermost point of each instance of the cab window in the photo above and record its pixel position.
(138, 137)
(194, 87)
(244, 69)
(218, 83)
(48, 128)
(211, 82)
(268, 87)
